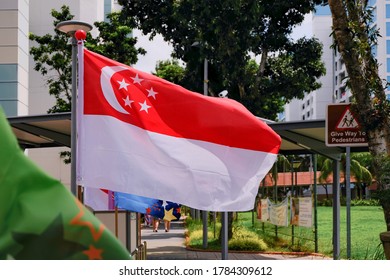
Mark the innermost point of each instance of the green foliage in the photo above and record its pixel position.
(358, 167)
(243, 239)
(354, 36)
(247, 243)
(66, 156)
(228, 33)
(366, 224)
(52, 56)
(365, 202)
(52, 53)
(377, 254)
(354, 202)
(115, 40)
(170, 70)
(292, 73)
(325, 202)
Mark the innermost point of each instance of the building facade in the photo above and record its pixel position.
(23, 90)
(14, 56)
(334, 90)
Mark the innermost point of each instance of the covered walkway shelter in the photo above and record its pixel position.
(302, 137)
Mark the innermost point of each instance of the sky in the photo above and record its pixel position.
(158, 49)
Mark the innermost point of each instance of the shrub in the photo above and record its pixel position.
(247, 244)
(354, 202)
(365, 202)
(246, 240)
(243, 238)
(325, 202)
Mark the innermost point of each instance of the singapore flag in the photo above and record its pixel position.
(143, 135)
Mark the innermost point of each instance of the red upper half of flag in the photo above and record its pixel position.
(156, 105)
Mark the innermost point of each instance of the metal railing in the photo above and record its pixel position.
(140, 252)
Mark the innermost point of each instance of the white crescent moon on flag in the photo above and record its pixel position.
(108, 91)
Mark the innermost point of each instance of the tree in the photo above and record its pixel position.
(170, 70)
(358, 169)
(354, 37)
(52, 58)
(52, 54)
(115, 40)
(229, 33)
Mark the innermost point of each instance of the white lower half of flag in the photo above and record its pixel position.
(121, 157)
(97, 199)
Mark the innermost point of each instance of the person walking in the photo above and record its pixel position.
(156, 223)
(167, 225)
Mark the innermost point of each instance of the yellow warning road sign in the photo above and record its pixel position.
(342, 127)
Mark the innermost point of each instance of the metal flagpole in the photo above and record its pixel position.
(204, 212)
(70, 27)
(224, 238)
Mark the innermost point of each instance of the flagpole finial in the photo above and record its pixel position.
(80, 35)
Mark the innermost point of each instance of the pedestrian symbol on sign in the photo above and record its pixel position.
(347, 121)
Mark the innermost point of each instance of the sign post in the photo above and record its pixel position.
(343, 129)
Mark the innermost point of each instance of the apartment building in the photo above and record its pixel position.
(23, 90)
(334, 90)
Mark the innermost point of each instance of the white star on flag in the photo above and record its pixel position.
(152, 93)
(123, 84)
(137, 80)
(127, 101)
(144, 106)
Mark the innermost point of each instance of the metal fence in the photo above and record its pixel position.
(140, 252)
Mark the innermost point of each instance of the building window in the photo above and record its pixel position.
(387, 28)
(343, 92)
(303, 117)
(388, 83)
(388, 65)
(308, 102)
(387, 11)
(342, 76)
(374, 50)
(303, 106)
(308, 114)
(388, 46)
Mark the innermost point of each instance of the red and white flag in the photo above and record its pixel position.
(98, 199)
(143, 135)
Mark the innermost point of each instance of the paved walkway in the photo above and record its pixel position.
(170, 245)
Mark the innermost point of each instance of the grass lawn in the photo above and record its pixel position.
(366, 224)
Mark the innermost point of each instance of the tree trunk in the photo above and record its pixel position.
(263, 62)
(230, 227)
(326, 191)
(350, 34)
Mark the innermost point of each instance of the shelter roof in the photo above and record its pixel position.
(54, 130)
